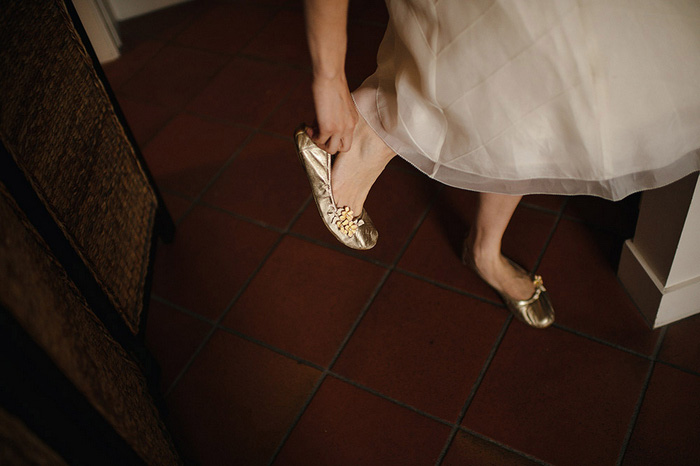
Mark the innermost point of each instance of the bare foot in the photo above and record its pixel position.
(501, 275)
(354, 172)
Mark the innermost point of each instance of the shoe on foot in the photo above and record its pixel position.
(356, 232)
(536, 311)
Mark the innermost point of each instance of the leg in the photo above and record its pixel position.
(492, 217)
(354, 172)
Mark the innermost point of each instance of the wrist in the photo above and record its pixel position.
(329, 74)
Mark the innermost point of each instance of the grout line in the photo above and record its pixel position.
(474, 389)
(238, 294)
(390, 399)
(182, 309)
(298, 215)
(601, 341)
(650, 324)
(363, 256)
(327, 370)
(447, 287)
(435, 195)
(359, 318)
(355, 324)
(297, 418)
(383, 280)
(234, 155)
(539, 208)
(272, 348)
(558, 218)
(503, 446)
(189, 362)
(206, 339)
(172, 192)
(176, 110)
(244, 218)
(218, 120)
(254, 132)
(274, 11)
(486, 366)
(640, 400)
(677, 367)
(338, 248)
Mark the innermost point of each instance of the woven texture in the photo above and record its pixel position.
(58, 123)
(36, 289)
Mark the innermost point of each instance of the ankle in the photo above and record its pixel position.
(370, 145)
(482, 250)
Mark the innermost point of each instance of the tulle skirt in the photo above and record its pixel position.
(598, 97)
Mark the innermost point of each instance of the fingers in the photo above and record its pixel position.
(331, 142)
(345, 143)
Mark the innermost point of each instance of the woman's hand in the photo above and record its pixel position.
(326, 24)
(336, 115)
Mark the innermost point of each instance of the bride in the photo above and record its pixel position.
(505, 98)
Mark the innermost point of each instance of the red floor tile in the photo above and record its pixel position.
(467, 449)
(177, 206)
(361, 57)
(297, 108)
(172, 337)
(422, 345)
(435, 251)
(550, 202)
(236, 402)
(369, 10)
(246, 91)
(225, 28)
(395, 204)
(584, 289)
(162, 24)
(130, 61)
(401, 164)
(618, 217)
(681, 344)
(212, 256)
(668, 426)
(318, 294)
(144, 120)
(173, 76)
(189, 151)
(344, 425)
(558, 397)
(263, 182)
(283, 39)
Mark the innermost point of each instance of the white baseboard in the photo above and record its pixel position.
(99, 28)
(659, 305)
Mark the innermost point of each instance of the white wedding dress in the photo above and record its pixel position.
(597, 97)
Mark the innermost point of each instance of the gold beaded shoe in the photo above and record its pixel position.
(536, 311)
(354, 232)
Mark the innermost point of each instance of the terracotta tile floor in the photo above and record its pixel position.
(278, 346)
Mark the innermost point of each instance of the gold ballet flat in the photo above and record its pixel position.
(536, 311)
(357, 232)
